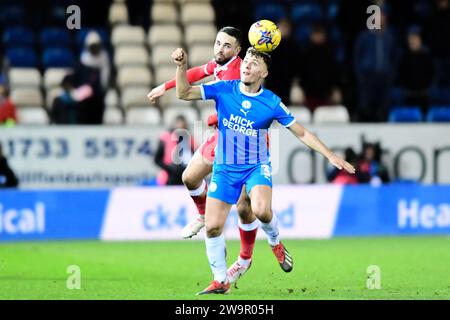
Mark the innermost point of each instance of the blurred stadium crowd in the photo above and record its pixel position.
(328, 68)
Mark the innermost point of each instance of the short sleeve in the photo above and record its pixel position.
(284, 116)
(211, 90)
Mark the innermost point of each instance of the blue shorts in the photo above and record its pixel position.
(227, 181)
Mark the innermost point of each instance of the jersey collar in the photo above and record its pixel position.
(241, 85)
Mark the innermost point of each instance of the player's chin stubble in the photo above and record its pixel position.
(222, 61)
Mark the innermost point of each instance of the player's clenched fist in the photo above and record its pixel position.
(179, 57)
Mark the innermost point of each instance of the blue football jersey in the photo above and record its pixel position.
(244, 119)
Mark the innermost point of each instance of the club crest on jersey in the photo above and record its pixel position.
(246, 104)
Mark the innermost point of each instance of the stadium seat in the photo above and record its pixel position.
(54, 76)
(118, 14)
(302, 114)
(438, 114)
(199, 54)
(112, 116)
(271, 11)
(21, 57)
(197, 13)
(405, 114)
(12, 15)
(134, 76)
(127, 35)
(24, 77)
(143, 116)
(306, 13)
(32, 116)
(134, 96)
(164, 13)
(112, 99)
(27, 97)
(164, 34)
(439, 96)
(55, 37)
(164, 73)
(162, 55)
(200, 33)
(131, 55)
(58, 58)
(331, 114)
(18, 37)
(171, 113)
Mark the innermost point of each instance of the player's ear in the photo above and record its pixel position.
(264, 74)
(238, 49)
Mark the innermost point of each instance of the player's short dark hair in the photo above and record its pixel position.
(233, 32)
(264, 55)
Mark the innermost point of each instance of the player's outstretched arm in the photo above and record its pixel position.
(184, 90)
(314, 143)
(193, 74)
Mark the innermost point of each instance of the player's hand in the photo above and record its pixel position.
(157, 92)
(179, 57)
(340, 163)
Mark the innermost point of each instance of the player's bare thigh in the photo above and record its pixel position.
(261, 202)
(197, 169)
(216, 216)
(244, 208)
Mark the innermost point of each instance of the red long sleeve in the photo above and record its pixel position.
(193, 75)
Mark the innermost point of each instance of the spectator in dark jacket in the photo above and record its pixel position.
(65, 108)
(416, 71)
(318, 71)
(7, 177)
(375, 63)
(94, 71)
(370, 167)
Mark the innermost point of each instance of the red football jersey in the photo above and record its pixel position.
(228, 71)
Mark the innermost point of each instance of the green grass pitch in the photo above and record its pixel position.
(411, 268)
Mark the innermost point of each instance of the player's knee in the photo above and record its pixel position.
(213, 230)
(262, 211)
(189, 181)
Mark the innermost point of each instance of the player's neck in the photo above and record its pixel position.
(251, 88)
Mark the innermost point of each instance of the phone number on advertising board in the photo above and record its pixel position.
(91, 148)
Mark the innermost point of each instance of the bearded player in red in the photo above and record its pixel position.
(225, 66)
